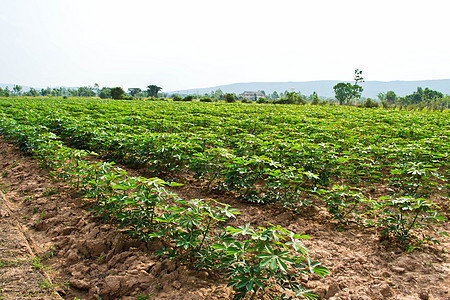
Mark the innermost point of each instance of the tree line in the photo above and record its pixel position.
(345, 94)
(84, 91)
(350, 94)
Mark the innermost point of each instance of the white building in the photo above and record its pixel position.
(252, 95)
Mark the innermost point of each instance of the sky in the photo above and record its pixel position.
(179, 44)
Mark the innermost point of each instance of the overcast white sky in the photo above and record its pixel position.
(180, 44)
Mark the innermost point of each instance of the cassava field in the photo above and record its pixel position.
(108, 199)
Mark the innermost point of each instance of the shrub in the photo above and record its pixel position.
(177, 98)
(261, 100)
(206, 99)
(188, 98)
(370, 103)
(230, 98)
(117, 93)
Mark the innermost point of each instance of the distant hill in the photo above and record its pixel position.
(10, 86)
(324, 88)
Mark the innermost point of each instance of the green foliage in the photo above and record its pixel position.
(255, 260)
(315, 99)
(153, 90)
(177, 98)
(117, 93)
(345, 92)
(399, 216)
(261, 259)
(291, 98)
(260, 153)
(369, 103)
(134, 92)
(414, 179)
(6, 92)
(188, 98)
(105, 93)
(391, 97)
(342, 203)
(262, 100)
(17, 90)
(422, 97)
(230, 98)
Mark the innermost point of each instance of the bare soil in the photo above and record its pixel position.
(51, 247)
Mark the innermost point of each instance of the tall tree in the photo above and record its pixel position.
(218, 94)
(117, 93)
(345, 92)
(6, 92)
(33, 93)
(314, 99)
(105, 93)
(96, 89)
(134, 91)
(431, 95)
(357, 89)
(73, 92)
(390, 97)
(17, 90)
(152, 90)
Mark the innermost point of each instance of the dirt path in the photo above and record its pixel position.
(85, 258)
(22, 274)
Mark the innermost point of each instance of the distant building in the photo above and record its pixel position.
(252, 95)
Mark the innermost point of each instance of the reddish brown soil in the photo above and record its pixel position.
(86, 258)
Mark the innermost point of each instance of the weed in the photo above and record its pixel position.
(48, 254)
(8, 263)
(142, 296)
(48, 192)
(27, 199)
(15, 163)
(37, 264)
(47, 285)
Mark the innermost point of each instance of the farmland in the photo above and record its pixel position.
(378, 173)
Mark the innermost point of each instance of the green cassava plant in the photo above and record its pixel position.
(414, 179)
(259, 260)
(342, 203)
(399, 217)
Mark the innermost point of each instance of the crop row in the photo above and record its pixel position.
(254, 260)
(258, 152)
(267, 153)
